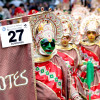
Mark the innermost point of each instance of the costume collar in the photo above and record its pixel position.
(69, 47)
(42, 52)
(89, 43)
(38, 58)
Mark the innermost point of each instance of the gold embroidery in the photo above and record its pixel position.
(42, 59)
(66, 48)
(90, 44)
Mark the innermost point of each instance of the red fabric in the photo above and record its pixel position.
(4, 22)
(18, 10)
(89, 53)
(65, 1)
(51, 68)
(65, 57)
(33, 11)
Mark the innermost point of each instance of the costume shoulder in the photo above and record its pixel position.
(74, 46)
(58, 61)
(70, 46)
(85, 42)
(99, 43)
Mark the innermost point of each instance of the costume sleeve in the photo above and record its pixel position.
(79, 57)
(74, 95)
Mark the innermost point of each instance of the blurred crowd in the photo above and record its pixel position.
(91, 4)
(10, 10)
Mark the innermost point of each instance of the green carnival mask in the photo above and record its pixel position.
(48, 46)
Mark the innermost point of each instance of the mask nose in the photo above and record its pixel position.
(49, 46)
(91, 35)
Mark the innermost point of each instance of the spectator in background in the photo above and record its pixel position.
(27, 7)
(82, 2)
(1, 13)
(89, 3)
(71, 4)
(12, 9)
(6, 5)
(19, 12)
(85, 3)
(6, 13)
(22, 7)
(46, 6)
(33, 6)
(39, 6)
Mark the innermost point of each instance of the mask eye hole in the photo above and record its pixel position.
(53, 43)
(88, 32)
(64, 38)
(94, 33)
(67, 37)
(44, 42)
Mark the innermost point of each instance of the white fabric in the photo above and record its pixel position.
(42, 52)
(92, 26)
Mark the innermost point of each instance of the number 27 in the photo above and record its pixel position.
(14, 34)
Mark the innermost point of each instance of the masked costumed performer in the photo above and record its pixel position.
(70, 54)
(90, 51)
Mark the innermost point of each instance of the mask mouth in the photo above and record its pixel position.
(48, 50)
(91, 38)
(65, 42)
